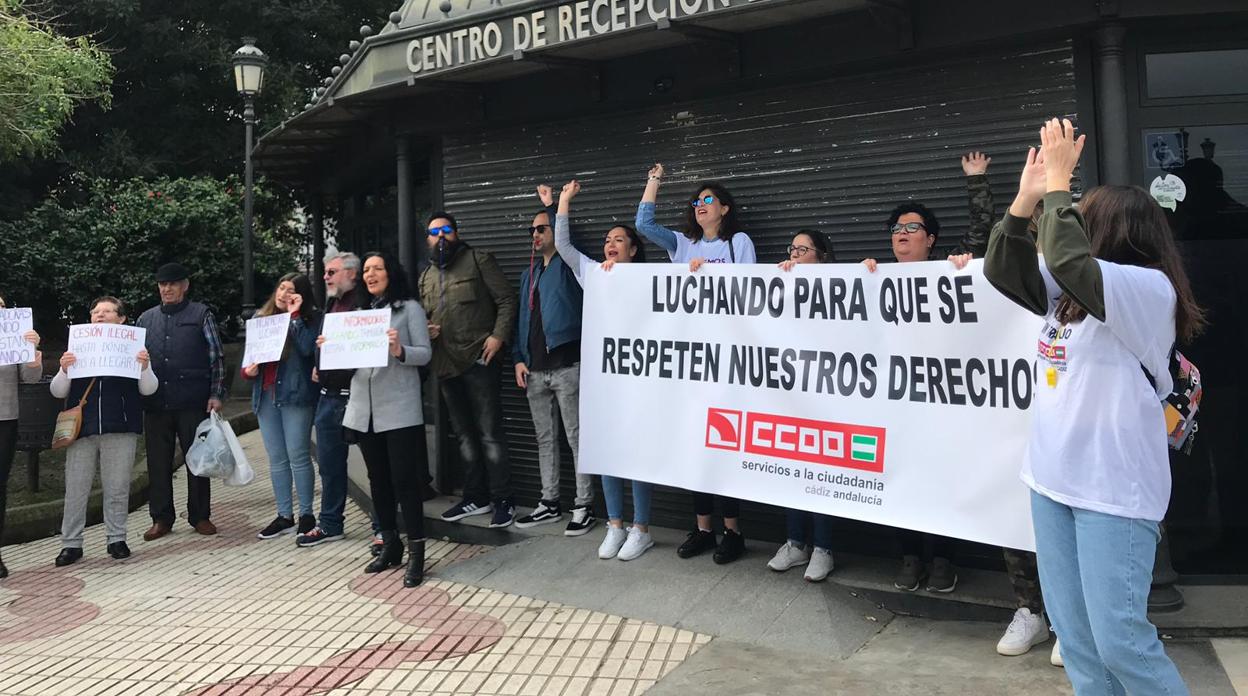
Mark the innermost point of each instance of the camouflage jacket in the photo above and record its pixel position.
(979, 201)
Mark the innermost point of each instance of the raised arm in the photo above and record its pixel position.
(979, 204)
(572, 256)
(1010, 262)
(645, 221)
(1063, 236)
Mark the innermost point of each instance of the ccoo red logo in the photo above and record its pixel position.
(803, 439)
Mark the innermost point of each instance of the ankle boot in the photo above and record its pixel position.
(4, 572)
(415, 564)
(391, 553)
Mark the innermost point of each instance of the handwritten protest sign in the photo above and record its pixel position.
(266, 337)
(106, 350)
(355, 339)
(14, 348)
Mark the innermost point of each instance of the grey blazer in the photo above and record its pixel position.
(10, 375)
(390, 396)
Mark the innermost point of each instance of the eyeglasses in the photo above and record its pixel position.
(799, 250)
(908, 228)
(330, 272)
(539, 229)
(445, 229)
(705, 200)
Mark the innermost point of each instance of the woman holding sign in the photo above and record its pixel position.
(111, 425)
(711, 234)
(622, 245)
(285, 402)
(385, 412)
(10, 376)
(1114, 297)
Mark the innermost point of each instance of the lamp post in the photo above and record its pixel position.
(249, 63)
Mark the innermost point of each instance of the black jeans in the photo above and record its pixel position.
(704, 504)
(162, 430)
(398, 465)
(474, 407)
(8, 448)
(912, 544)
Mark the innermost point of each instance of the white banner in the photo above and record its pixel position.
(106, 350)
(898, 397)
(266, 337)
(355, 339)
(14, 348)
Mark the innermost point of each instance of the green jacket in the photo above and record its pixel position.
(471, 300)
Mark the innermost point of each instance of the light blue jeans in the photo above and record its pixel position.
(613, 491)
(1096, 570)
(287, 435)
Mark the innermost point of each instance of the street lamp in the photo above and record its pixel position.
(249, 63)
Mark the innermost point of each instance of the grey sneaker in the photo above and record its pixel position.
(911, 574)
(788, 556)
(944, 577)
(820, 565)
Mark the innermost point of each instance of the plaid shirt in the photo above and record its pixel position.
(216, 356)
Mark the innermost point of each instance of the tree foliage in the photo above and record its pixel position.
(60, 256)
(43, 77)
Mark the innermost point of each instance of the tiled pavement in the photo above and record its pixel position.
(234, 615)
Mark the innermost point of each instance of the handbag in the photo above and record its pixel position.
(69, 422)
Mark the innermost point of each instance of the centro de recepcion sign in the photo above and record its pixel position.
(551, 26)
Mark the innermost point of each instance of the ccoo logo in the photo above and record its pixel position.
(845, 445)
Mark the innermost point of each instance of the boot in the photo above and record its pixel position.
(4, 572)
(391, 553)
(415, 564)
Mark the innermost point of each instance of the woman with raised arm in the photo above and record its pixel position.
(711, 234)
(1114, 297)
(622, 246)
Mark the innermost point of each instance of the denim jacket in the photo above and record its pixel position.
(294, 373)
(561, 298)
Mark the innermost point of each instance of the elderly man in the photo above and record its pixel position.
(186, 355)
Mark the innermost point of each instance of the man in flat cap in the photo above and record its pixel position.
(186, 355)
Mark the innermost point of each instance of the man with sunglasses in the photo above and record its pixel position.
(547, 353)
(471, 309)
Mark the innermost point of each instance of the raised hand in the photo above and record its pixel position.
(975, 163)
(570, 189)
(1061, 150)
(656, 172)
(546, 194)
(1032, 185)
(294, 302)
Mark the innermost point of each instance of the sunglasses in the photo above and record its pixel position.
(908, 228)
(799, 250)
(539, 229)
(445, 229)
(705, 200)
(331, 272)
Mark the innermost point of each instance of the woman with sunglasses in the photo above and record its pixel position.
(808, 246)
(622, 245)
(711, 234)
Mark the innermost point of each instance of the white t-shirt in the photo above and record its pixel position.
(715, 251)
(1098, 438)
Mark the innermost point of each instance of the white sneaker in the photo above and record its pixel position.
(820, 565)
(611, 544)
(1055, 657)
(1025, 630)
(637, 543)
(788, 556)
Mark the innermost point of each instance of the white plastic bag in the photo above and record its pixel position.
(243, 473)
(210, 454)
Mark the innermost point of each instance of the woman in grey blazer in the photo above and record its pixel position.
(10, 376)
(385, 410)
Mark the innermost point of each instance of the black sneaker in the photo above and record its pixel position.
(582, 521)
(306, 523)
(696, 544)
(730, 548)
(279, 526)
(465, 508)
(317, 536)
(504, 514)
(944, 577)
(911, 574)
(545, 513)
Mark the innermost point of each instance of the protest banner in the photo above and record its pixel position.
(898, 397)
(266, 337)
(14, 348)
(106, 350)
(355, 339)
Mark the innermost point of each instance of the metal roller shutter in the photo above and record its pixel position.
(836, 155)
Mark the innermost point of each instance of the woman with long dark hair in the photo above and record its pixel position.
(283, 397)
(1115, 299)
(10, 377)
(711, 234)
(622, 245)
(385, 413)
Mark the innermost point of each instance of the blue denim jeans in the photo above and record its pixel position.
(287, 435)
(613, 491)
(331, 459)
(1096, 570)
(798, 521)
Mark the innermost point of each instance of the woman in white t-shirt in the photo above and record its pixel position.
(1114, 297)
(711, 235)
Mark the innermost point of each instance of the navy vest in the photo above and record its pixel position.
(179, 354)
(113, 406)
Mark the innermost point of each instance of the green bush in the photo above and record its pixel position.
(62, 255)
